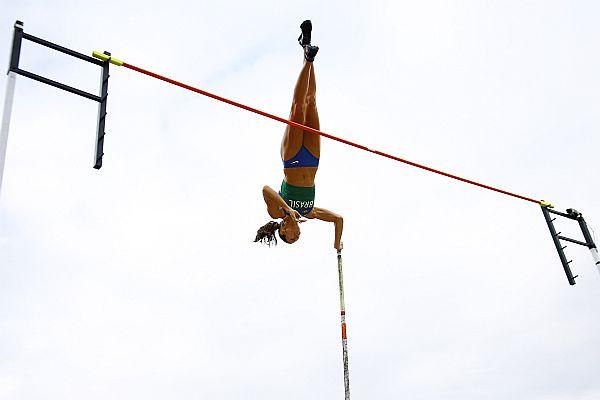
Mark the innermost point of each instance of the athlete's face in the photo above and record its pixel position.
(291, 231)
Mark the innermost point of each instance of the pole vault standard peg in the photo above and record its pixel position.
(107, 57)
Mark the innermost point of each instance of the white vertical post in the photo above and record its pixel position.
(8, 103)
(596, 258)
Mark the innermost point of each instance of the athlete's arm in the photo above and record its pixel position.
(275, 204)
(329, 216)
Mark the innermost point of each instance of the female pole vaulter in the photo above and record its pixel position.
(300, 151)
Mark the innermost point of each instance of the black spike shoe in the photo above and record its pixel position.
(304, 38)
(310, 52)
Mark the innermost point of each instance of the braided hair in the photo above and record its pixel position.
(266, 233)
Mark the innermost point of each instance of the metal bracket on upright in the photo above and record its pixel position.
(574, 215)
(15, 53)
(18, 37)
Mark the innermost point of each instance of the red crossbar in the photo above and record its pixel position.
(317, 132)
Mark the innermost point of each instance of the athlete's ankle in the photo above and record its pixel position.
(310, 52)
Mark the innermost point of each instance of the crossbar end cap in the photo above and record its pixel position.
(107, 57)
(546, 204)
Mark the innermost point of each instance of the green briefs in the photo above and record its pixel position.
(299, 198)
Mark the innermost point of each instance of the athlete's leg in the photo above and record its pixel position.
(292, 138)
(312, 141)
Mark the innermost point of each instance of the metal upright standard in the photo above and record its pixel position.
(343, 320)
(557, 237)
(8, 102)
(18, 36)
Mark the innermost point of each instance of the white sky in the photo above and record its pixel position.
(141, 280)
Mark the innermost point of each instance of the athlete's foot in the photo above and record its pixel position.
(310, 52)
(304, 38)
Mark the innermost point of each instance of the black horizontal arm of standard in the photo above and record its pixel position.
(572, 240)
(57, 84)
(589, 242)
(62, 49)
(574, 217)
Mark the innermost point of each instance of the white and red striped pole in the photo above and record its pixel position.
(343, 320)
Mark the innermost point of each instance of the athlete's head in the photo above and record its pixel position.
(289, 231)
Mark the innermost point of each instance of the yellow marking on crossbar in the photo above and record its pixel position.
(546, 204)
(110, 59)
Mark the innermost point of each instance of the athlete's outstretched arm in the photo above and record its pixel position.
(329, 216)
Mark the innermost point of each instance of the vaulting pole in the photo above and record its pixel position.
(343, 320)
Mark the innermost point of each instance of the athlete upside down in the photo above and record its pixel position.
(300, 151)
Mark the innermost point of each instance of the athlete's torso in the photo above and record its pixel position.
(301, 169)
(304, 176)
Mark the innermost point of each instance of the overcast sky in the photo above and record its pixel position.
(141, 280)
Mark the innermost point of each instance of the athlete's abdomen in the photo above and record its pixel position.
(304, 176)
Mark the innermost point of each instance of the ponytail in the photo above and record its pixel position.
(266, 233)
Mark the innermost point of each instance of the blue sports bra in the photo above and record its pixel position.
(303, 158)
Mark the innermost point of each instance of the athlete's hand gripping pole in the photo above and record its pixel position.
(343, 320)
